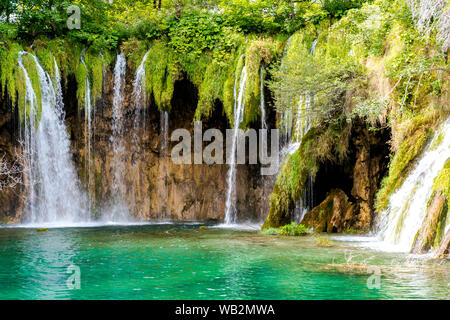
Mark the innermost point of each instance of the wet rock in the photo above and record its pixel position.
(444, 249)
(332, 215)
(432, 225)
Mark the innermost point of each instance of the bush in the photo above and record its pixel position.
(337, 8)
(196, 33)
(293, 230)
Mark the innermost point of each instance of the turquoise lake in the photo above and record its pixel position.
(169, 261)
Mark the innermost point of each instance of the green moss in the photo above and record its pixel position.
(442, 181)
(95, 63)
(260, 50)
(9, 70)
(326, 142)
(134, 50)
(417, 136)
(162, 72)
(80, 76)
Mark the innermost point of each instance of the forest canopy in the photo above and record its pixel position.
(106, 23)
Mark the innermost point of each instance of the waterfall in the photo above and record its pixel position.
(286, 117)
(54, 196)
(408, 205)
(262, 102)
(139, 97)
(303, 122)
(120, 211)
(87, 130)
(239, 107)
(163, 168)
(312, 51)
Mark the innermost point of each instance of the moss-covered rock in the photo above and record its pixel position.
(444, 249)
(332, 215)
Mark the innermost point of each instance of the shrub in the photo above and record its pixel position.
(293, 230)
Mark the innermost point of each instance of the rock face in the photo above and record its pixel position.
(367, 174)
(11, 192)
(444, 249)
(350, 196)
(334, 214)
(433, 224)
(153, 186)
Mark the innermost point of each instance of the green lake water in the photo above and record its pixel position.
(184, 262)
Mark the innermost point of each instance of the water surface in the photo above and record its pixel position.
(167, 261)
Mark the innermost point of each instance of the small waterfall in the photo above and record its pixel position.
(286, 117)
(139, 98)
(262, 102)
(87, 131)
(54, 196)
(303, 122)
(312, 51)
(120, 211)
(239, 107)
(408, 205)
(163, 170)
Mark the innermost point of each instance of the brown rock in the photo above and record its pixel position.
(332, 214)
(444, 249)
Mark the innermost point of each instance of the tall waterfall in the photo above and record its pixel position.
(408, 205)
(163, 170)
(119, 212)
(54, 196)
(239, 107)
(87, 130)
(139, 97)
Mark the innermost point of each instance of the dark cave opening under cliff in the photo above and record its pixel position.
(332, 175)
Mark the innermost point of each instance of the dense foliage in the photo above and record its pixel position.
(384, 61)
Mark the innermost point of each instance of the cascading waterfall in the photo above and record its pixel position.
(139, 98)
(239, 108)
(408, 205)
(87, 131)
(120, 211)
(303, 122)
(54, 196)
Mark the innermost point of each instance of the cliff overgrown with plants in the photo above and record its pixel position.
(373, 64)
(383, 62)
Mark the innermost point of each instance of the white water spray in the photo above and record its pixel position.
(87, 130)
(408, 205)
(54, 196)
(120, 211)
(239, 107)
(139, 97)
